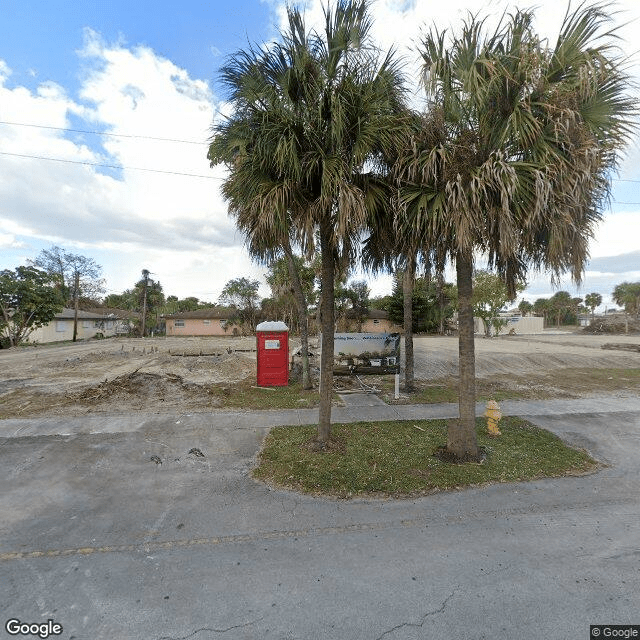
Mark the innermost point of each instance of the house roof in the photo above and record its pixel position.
(110, 312)
(68, 314)
(221, 313)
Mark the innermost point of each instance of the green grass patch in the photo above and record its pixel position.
(247, 395)
(398, 458)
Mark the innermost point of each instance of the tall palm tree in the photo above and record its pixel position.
(513, 156)
(309, 113)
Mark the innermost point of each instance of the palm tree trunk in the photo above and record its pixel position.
(440, 295)
(327, 320)
(407, 294)
(301, 303)
(461, 435)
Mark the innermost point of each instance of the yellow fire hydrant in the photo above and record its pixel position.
(493, 415)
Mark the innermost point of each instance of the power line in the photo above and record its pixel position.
(99, 133)
(110, 166)
(127, 135)
(181, 173)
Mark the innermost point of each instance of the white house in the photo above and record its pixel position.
(89, 325)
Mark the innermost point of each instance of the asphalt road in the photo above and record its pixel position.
(101, 539)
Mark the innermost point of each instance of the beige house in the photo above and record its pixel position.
(375, 321)
(216, 321)
(61, 327)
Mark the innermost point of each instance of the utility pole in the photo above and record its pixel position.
(76, 296)
(145, 275)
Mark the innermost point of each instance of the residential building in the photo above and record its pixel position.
(216, 321)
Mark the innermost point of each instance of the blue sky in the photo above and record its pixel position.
(149, 70)
(191, 34)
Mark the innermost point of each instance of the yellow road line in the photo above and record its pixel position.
(210, 541)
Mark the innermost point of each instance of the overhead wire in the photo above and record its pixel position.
(110, 166)
(161, 139)
(100, 133)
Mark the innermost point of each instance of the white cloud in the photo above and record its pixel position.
(8, 241)
(5, 72)
(175, 225)
(618, 233)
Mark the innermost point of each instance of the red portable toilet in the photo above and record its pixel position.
(272, 340)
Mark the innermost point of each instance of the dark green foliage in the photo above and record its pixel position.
(427, 310)
(627, 295)
(29, 298)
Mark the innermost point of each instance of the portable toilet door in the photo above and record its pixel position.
(272, 346)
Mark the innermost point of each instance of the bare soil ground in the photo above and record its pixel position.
(188, 374)
(437, 357)
(122, 375)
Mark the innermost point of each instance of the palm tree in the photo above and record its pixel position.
(309, 113)
(392, 246)
(627, 295)
(513, 158)
(525, 307)
(542, 308)
(593, 300)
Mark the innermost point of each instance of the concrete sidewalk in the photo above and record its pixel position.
(358, 407)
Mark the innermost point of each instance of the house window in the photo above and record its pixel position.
(86, 324)
(96, 324)
(178, 323)
(61, 326)
(376, 322)
(206, 322)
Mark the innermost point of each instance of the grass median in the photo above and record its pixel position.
(401, 458)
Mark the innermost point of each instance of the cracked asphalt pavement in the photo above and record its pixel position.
(113, 529)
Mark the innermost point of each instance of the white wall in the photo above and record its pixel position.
(61, 329)
(521, 325)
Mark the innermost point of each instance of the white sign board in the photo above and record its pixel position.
(374, 353)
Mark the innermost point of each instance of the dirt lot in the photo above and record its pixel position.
(121, 375)
(187, 374)
(437, 357)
